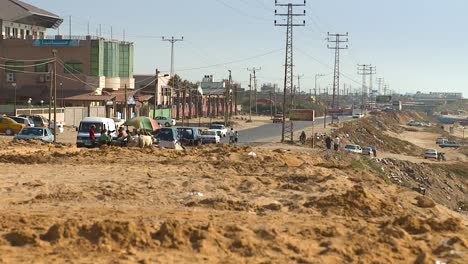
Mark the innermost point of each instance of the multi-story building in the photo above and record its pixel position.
(90, 70)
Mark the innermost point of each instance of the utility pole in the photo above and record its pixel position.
(336, 39)
(287, 130)
(231, 101)
(172, 40)
(156, 84)
(315, 87)
(299, 87)
(364, 70)
(254, 76)
(227, 100)
(250, 97)
(54, 52)
(380, 82)
(126, 104)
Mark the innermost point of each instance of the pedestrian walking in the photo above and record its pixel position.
(328, 142)
(336, 143)
(231, 136)
(236, 137)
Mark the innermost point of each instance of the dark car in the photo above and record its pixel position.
(450, 144)
(23, 120)
(189, 136)
(39, 121)
(167, 137)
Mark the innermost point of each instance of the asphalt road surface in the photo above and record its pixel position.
(266, 132)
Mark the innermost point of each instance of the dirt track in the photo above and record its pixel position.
(211, 205)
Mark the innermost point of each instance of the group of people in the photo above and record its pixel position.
(336, 143)
(233, 136)
(106, 137)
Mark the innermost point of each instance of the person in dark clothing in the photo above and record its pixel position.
(374, 151)
(302, 137)
(328, 141)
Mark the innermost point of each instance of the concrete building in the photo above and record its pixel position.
(145, 84)
(90, 70)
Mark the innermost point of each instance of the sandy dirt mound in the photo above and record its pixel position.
(217, 204)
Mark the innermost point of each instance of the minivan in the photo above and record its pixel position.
(167, 137)
(100, 123)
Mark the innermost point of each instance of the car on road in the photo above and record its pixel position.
(23, 120)
(450, 144)
(10, 126)
(441, 140)
(210, 136)
(430, 154)
(352, 148)
(367, 151)
(413, 123)
(38, 120)
(167, 137)
(189, 136)
(165, 121)
(35, 133)
(218, 127)
(277, 119)
(358, 115)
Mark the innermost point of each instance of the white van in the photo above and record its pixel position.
(100, 123)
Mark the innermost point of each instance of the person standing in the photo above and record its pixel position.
(236, 137)
(303, 137)
(92, 135)
(336, 143)
(374, 151)
(328, 142)
(231, 136)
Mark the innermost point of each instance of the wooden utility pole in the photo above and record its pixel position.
(54, 52)
(250, 98)
(156, 83)
(184, 94)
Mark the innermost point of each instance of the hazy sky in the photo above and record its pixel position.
(417, 45)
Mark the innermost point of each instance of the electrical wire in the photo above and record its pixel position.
(240, 11)
(10, 59)
(25, 66)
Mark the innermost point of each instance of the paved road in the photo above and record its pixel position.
(266, 132)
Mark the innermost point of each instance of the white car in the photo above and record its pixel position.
(358, 115)
(210, 136)
(165, 121)
(430, 154)
(221, 128)
(353, 148)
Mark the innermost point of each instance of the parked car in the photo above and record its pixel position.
(352, 148)
(210, 136)
(358, 115)
(10, 126)
(167, 122)
(38, 120)
(222, 129)
(37, 133)
(441, 140)
(23, 120)
(367, 151)
(167, 137)
(450, 144)
(189, 136)
(430, 154)
(100, 123)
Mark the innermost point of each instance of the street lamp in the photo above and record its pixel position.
(42, 106)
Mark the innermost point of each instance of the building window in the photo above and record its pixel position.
(15, 33)
(73, 67)
(41, 66)
(14, 66)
